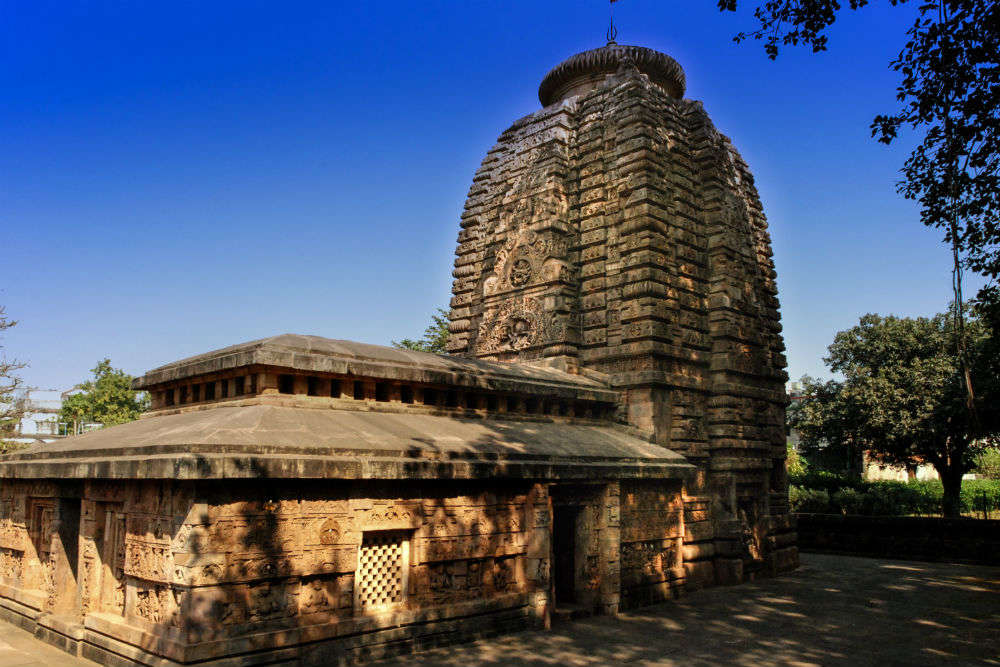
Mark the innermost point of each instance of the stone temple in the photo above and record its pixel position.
(606, 432)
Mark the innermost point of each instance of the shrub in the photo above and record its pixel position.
(848, 500)
(987, 463)
(976, 492)
(816, 491)
(794, 463)
(823, 480)
(809, 500)
(926, 497)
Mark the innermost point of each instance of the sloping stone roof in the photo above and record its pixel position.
(271, 441)
(326, 355)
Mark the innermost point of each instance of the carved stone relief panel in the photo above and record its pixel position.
(152, 562)
(512, 326)
(104, 558)
(649, 562)
(39, 565)
(387, 515)
(219, 611)
(157, 604)
(14, 538)
(464, 580)
(326, 598)
(651, 511)
(13, 531)
(10, 565)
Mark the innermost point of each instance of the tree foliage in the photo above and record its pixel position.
(829, 427)
(435, 336)
(988, 463)
(950, 92)
(107, 399)
(903, 396)
(794, 463)
(949, 89)
(11, 405)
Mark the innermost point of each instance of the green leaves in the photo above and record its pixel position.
(793, 22)
(435, 336)
(949, 88)
(902, 397)
(107, 399)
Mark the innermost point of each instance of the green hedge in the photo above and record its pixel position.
(828, 493)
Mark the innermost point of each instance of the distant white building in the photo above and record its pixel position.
(40, 421)
(876, 470)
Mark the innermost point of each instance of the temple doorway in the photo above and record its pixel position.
(564, 534)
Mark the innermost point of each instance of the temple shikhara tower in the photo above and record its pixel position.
(617, 234)
(606, 431)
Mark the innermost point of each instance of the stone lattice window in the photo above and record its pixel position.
(380, 581)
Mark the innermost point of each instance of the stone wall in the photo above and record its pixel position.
(652, 532)
(912, 538)
(593, 561)
(200, 571)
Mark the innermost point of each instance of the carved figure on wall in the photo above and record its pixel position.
(515, 325)
(156, 604)
(520, 272)
(10, 563)
(519, 333)
(504, 575)
(268, 600)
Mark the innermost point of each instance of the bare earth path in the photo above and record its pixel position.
(834, 611)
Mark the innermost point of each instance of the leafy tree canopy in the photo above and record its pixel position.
(829, 427)
(435, 336)
(108, 398)
(903, 397)
(949, 89)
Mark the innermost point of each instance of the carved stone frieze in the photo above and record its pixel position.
(648, 562)
(10, 564)
(512, 326)
(148, 561)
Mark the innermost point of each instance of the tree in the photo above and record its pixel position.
(107, 399)
(988, 463)
(829, 426)
(903, 394)
(435, 336)
(11, 403)
(950, 89)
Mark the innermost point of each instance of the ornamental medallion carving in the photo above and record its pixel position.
(520, 272)
(514, 326)
(329, 532)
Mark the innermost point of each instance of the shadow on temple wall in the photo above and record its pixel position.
(834, 612)
(267, 593)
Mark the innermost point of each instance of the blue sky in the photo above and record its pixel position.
(180, 177)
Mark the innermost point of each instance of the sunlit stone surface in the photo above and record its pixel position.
(607, 432)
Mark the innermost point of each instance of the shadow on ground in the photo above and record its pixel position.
(834, 611)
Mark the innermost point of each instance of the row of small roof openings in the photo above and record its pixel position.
(382, 392)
